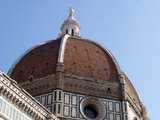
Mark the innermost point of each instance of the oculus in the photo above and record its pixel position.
(92, 109)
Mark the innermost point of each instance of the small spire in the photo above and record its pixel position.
(71, 13)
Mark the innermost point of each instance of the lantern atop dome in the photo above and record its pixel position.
(71, 26)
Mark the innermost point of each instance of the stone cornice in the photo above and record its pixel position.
(84, 85)
(134, 105)
(90, 79)
(127, 96)
(24, 101)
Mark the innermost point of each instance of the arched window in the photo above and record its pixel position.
(72, 32)
(135, 118)
(66, 31)
(109, 90)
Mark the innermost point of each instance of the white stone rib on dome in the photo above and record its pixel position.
(63, 45)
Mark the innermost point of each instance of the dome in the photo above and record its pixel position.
(75, 64)
(79, 56)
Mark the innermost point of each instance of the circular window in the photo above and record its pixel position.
(92, 109)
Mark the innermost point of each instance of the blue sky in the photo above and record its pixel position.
(130, 29)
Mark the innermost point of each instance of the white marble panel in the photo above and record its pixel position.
(66, 111)
(49, 99)
(118, 117)
(66, 98)
(74, 100)
(117, 105)
(111, 117)
(74, 112)
(110, 106)
(43, 99)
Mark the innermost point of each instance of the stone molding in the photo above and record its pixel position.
(86, 85)
(127, 96)
(35, 86)
(136, 107)
(24, 101)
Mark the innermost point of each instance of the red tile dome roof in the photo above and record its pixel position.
(37, 62)
(81, 57)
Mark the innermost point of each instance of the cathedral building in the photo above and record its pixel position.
(68, 78)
